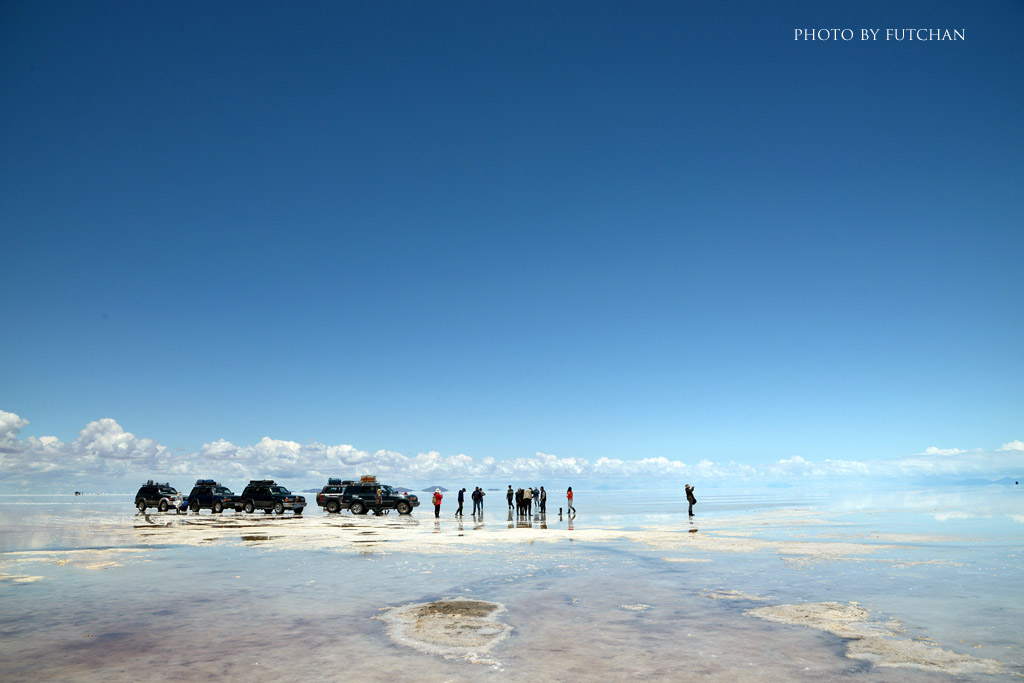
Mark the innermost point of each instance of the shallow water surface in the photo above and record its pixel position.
(624, 590)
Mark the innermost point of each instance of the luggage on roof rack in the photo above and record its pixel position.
(368, 479)
(333, 481)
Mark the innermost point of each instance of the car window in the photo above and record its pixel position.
(221, 490)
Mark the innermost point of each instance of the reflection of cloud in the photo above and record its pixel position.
(1017, 518)
(105, 451)
(946, 516)
(1016, 445)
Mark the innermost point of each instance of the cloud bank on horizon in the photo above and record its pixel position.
(105, 453)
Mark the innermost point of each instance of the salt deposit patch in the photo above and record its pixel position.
(459, 628)
(638, 607)
(730, 595)
(875, 641)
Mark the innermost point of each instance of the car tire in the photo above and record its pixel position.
(357, 508)
(141, 504)
(332, 506)
(249, 507)
(403, 508)
(218, 507)
(162, 507)
(278, 508)
(194, 506)
(298, 511)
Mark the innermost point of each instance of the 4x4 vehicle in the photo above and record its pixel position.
(264, 494)
(360, 497)
(161, 496)
(209, 494)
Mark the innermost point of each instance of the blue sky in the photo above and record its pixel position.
(588, 229)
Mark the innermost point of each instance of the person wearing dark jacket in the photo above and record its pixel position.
(690, 499)
(462, 497)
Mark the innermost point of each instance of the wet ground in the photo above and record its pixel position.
(916, 587)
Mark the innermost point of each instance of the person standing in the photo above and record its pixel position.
(690, 499)
(476, 500)
(462, 497)
(543, 501)
(480, 499)
(437, 502)
(510, 494)
(376, 502)
(528, 501)
(568, 495)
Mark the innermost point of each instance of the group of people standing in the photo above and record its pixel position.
(526, 499)
(523, 499)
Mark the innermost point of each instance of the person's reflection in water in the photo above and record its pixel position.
(478, 522)
(543, 521)
(570, 518)
(437, 526)
(460, 526)
(511, 524)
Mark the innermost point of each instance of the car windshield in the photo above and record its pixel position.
(279, 489)
(387, 490)
(223, 491)
(168, 492)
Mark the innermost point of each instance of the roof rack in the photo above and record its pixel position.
(256, 482)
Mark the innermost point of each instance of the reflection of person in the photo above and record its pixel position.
(568, 495)
(437, 502)
(690, 499)
(462, 497)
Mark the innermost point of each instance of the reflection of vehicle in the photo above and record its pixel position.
(361, 496)
(160, 496)
(264, 494)
(209, 494)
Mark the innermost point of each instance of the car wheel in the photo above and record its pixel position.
(141, 504)
(357, 508)
(298, 511)
(194, 506)
(403, 508)
(249, 507)
(218, 507)
(332, 506)
(162, 507)
(278, 508)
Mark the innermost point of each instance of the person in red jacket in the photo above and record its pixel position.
(437, 502)
(568, 495)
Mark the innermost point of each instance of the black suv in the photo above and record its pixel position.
(360, 497)
(209, 494)
(160, 496)
(264, 494)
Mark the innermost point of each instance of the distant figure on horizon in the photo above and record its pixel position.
(690, 499)
(438, 496)
(462, 497)
(568, 495)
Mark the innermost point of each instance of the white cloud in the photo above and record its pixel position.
(932, 450)
(107, 455)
